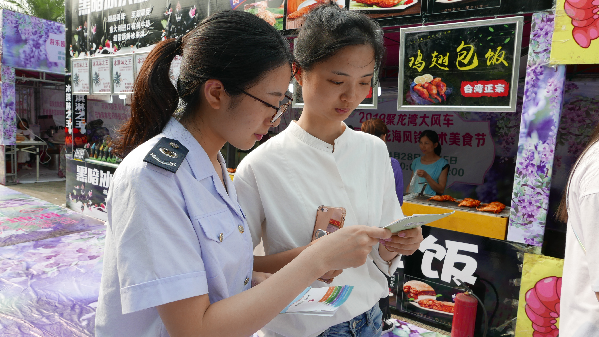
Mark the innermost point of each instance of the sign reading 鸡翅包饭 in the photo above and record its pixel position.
(469, 66)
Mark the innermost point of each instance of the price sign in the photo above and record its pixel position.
(469, 66)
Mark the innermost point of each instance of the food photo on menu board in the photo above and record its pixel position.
(469, 66)
(272, 11)
(296, 9)
(383, 8)
(447, 6)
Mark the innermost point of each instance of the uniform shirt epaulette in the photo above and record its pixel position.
(167, 154)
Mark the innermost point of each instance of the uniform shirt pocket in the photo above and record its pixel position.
(217, 226)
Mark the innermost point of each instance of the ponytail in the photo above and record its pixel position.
(154, 99)
(438, 150)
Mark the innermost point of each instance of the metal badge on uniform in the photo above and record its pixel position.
(167, 154)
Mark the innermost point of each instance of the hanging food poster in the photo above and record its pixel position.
(139, 61)
(576, 32)
(469, 66)
(101, 75)
(296, 9)
(80, 76)
(122, 74)
(272, 11)
(386, 8)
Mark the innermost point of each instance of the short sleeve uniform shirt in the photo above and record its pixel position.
(170, 236)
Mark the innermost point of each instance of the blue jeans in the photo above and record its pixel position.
(368, 324)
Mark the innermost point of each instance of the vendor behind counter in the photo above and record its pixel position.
(430, 169)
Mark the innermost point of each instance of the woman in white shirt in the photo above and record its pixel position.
(317, 161)
(579, 307)
(178, 257)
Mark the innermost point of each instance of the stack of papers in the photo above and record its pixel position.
(319, 301)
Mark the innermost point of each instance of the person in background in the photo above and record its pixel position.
(24, 134)
(377, 127)
(431, 169)
(579, 307)
(178, 258)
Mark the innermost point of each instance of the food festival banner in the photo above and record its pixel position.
(32, 43)
(123, 75)
(446, 261)
(87, 187)
(107, 27)
(576, 32)
(113, 115)
(469, 66)
(540, 293)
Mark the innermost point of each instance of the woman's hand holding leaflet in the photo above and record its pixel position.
(349, 246)
(405, 242)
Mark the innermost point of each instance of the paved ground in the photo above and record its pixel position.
(53, 192)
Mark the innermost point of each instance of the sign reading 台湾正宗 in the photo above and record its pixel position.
(467, 66)
(101, 75)
(123, 76)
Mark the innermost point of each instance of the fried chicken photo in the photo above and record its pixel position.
(380, 3)
(305, 10)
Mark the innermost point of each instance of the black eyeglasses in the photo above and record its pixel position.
(284, 104)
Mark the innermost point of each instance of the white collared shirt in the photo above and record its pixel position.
(280, 186)
(170, 236)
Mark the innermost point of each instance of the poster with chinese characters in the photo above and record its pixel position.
(101, 75)
(469, 66)
(32, 43)
(122, 74)
(117, 27)
(448, 260)
(80, 76)
(451, 6)
(576, 32)
(87, 187)
(139, 61)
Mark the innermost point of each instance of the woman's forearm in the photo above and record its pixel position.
(275, 262)
(435, 185)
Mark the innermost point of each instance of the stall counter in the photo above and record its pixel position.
(465, 221)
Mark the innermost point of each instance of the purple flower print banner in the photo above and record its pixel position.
(9, 114)
(51, 287)
(24, 218)
(32, 43)
(543, 95)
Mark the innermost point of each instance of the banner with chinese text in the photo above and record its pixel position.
(469, 66)
(32, 43)
(433, 275)
(87, 187)
(575, 34)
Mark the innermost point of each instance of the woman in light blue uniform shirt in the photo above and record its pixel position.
(178, 258)
(431, 169)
